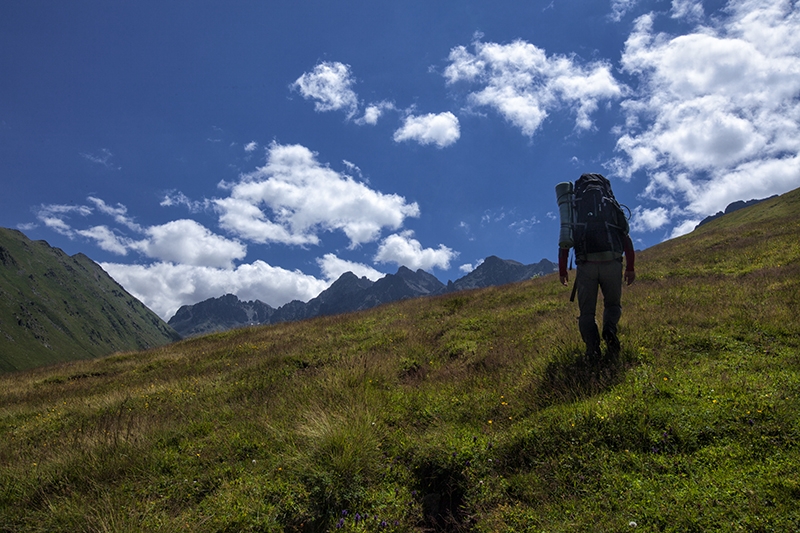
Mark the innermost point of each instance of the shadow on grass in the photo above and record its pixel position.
(571, 376)
(443, 488)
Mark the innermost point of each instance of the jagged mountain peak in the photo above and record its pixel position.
(496, 271)
(493, 261)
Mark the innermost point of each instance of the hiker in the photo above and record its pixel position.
(597, 229)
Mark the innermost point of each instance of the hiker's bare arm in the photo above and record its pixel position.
(563, 256)
(630, 276)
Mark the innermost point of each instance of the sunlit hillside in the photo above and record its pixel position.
(467, 412)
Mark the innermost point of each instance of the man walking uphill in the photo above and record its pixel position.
(592, 222)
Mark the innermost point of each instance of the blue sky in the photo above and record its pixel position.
(197, 148)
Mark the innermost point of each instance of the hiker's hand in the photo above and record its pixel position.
(565, 279)
(630, 276)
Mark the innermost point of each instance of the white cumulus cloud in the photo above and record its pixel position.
(374, 111)
(190, 243)
(404, 249)
(106, 239)
(466, 268)
(180, 241)
(330, 85)
(293, 198)
(522, 83)
(684, 227)
(717, 115)
(333, 267)
(164, 287)
(441, 129)
(649, 219)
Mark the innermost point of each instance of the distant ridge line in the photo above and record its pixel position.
(734, 206)
(348, 293)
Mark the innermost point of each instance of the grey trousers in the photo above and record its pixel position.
(607, 276)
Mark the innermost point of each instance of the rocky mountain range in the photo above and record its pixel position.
(346, 294)
(55, 307)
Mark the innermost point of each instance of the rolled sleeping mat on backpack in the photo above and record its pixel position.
(565, 194)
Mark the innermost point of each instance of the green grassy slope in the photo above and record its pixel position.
(56, 308)
(467, 412)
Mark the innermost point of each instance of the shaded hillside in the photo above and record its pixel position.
(348, 293)
(470, 411)
(56, 308)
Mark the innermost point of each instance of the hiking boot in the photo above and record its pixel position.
(612, 342)
(593, 355)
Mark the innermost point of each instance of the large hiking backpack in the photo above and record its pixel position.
(599, 226)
